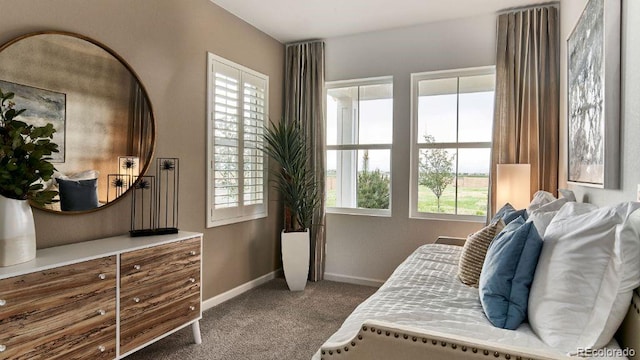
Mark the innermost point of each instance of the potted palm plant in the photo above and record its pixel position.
(285, 143)
(24, 155)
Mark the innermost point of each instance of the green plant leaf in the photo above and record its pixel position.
(23, 149)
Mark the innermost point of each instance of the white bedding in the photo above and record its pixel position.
(425, 293)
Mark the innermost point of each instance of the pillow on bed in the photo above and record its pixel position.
(588, 268)
(567, 194)
(540, 198)
(542, 216)
(508, 213)
(474, 252)
(507, 274)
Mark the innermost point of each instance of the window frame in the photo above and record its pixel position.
(242, 212)
(381, 80)
(416, 147)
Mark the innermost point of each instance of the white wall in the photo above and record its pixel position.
(630, 104)
(369, 248)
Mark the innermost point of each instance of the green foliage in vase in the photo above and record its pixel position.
(373, 187)
(285, 143)
(24, 154)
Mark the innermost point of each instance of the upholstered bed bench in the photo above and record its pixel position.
(423, 311)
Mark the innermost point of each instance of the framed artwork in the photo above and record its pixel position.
(593, 96)
(42, 107)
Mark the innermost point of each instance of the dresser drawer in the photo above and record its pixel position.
(148, 325)
(146, 283)
(140, 266)
(159, 291)
(55, 313)
(46, 290)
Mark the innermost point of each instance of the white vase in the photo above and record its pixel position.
(295, 259)
(17, 232)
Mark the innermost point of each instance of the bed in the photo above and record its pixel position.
(424, 312)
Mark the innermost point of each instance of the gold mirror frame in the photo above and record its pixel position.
(83, 45)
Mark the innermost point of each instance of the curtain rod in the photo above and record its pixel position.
(303, 42)
(527, 7)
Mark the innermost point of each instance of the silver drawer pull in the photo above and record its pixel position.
(101, 312)
(192, 253)
(3, 348)
(192, 307)
(101, 348)
(136, 300)
(192, 280)
(136, 267)
(3, 302)
(102, 276)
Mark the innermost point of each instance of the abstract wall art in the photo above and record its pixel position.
(593, 96)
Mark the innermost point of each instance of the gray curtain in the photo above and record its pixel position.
(304, 103)
(526, 120)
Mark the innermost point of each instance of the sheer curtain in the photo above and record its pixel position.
(304, 103)
(526, 120)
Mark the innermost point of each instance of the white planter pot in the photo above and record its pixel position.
(295, 259)
(17, 232)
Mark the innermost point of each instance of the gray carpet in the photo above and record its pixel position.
(268, 322)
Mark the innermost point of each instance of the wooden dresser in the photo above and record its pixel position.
(101, 299)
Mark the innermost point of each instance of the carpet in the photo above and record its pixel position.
(268, 322)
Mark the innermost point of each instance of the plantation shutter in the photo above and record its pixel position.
(254, 121)
(226, 144)
(238, 99)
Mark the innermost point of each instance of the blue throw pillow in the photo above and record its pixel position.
(508, 213)
(507, 274)
(78, 195)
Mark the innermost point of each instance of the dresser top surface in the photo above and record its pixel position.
(89, 250)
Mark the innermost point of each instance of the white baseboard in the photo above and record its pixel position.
(228, 295)
(353, 280)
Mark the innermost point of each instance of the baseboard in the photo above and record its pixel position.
(228, 295)
(353, 280)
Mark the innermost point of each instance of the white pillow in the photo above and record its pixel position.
(567, 194)
(542, 216)
(540, 198)
(83, 175)
(541, 220)
(584, 276)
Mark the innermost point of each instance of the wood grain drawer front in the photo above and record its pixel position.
(159, 291)
(60, 312)
(137, 267)
(173, 276)
(148, 325)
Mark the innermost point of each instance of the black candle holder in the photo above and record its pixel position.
(167, 175)
(117, 184)
(154, 206)
(143, 204)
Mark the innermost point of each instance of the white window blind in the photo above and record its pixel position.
(237, 110)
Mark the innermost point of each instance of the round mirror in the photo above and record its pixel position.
(101, 112)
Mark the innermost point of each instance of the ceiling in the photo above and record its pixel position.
(293, 20)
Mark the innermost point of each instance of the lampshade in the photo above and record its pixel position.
(513, 185)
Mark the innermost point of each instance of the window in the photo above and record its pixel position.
(359, 138)
(237, 171)
(452, 117)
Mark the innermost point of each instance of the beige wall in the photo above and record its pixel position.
(165, 42)
(629, 104)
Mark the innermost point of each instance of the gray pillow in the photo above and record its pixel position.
(78, 195)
